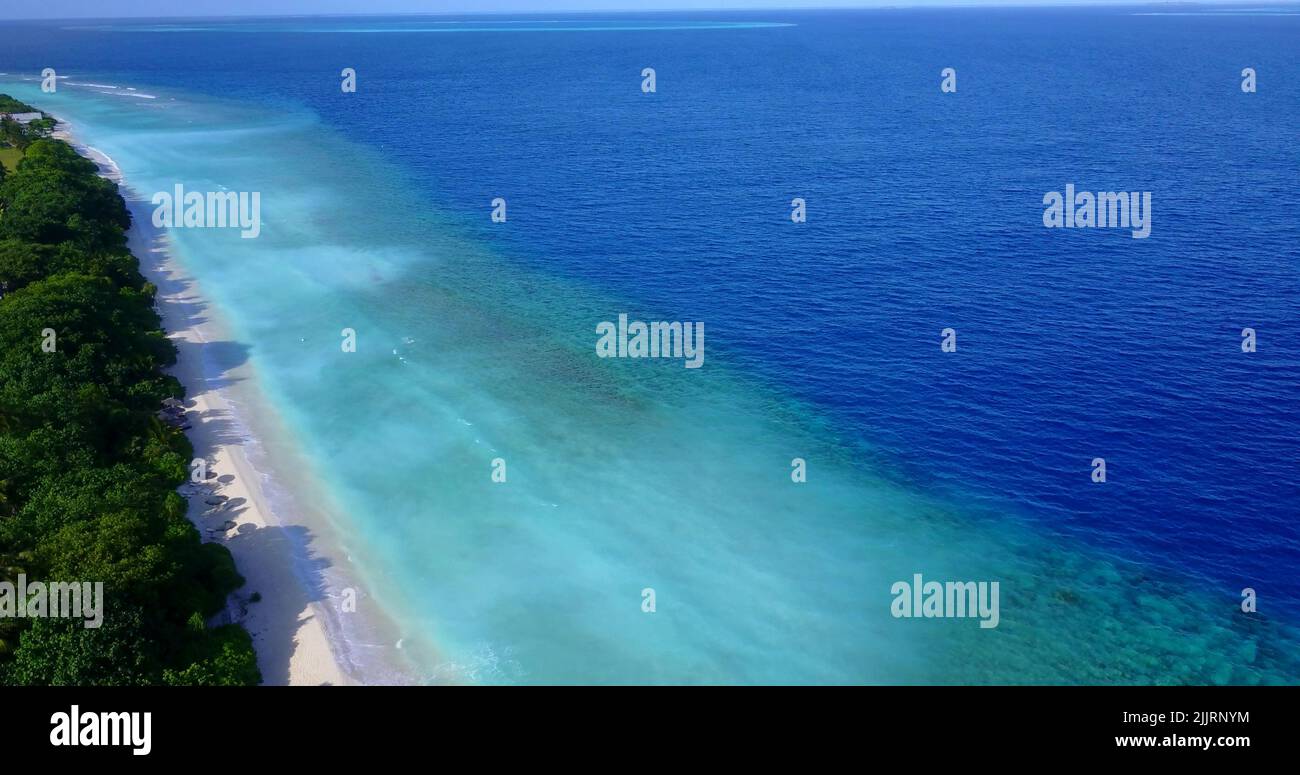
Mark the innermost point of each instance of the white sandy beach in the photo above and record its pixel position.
(287, 625)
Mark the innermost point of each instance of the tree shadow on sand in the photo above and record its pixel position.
(280, 566)
(276, 641)
(279, 562)
(183, 309)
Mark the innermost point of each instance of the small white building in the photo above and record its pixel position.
(22, 118)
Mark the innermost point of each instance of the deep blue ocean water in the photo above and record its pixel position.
(924, 212)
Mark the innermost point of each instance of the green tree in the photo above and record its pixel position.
(88, 473)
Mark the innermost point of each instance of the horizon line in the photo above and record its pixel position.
(883, 6)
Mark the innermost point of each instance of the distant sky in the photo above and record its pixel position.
(68, 9)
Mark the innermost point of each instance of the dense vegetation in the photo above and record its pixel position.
(10, 105)
(88, 473)
(16, 135)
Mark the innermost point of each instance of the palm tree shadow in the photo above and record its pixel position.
(288, 588)
(278, 562)
(181, 306)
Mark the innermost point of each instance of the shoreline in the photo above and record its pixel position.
(287, 625)
(141, 220)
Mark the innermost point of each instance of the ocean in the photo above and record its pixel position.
(476, 339)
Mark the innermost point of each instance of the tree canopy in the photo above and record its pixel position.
(88, 473)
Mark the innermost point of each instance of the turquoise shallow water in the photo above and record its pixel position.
(622, 475)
